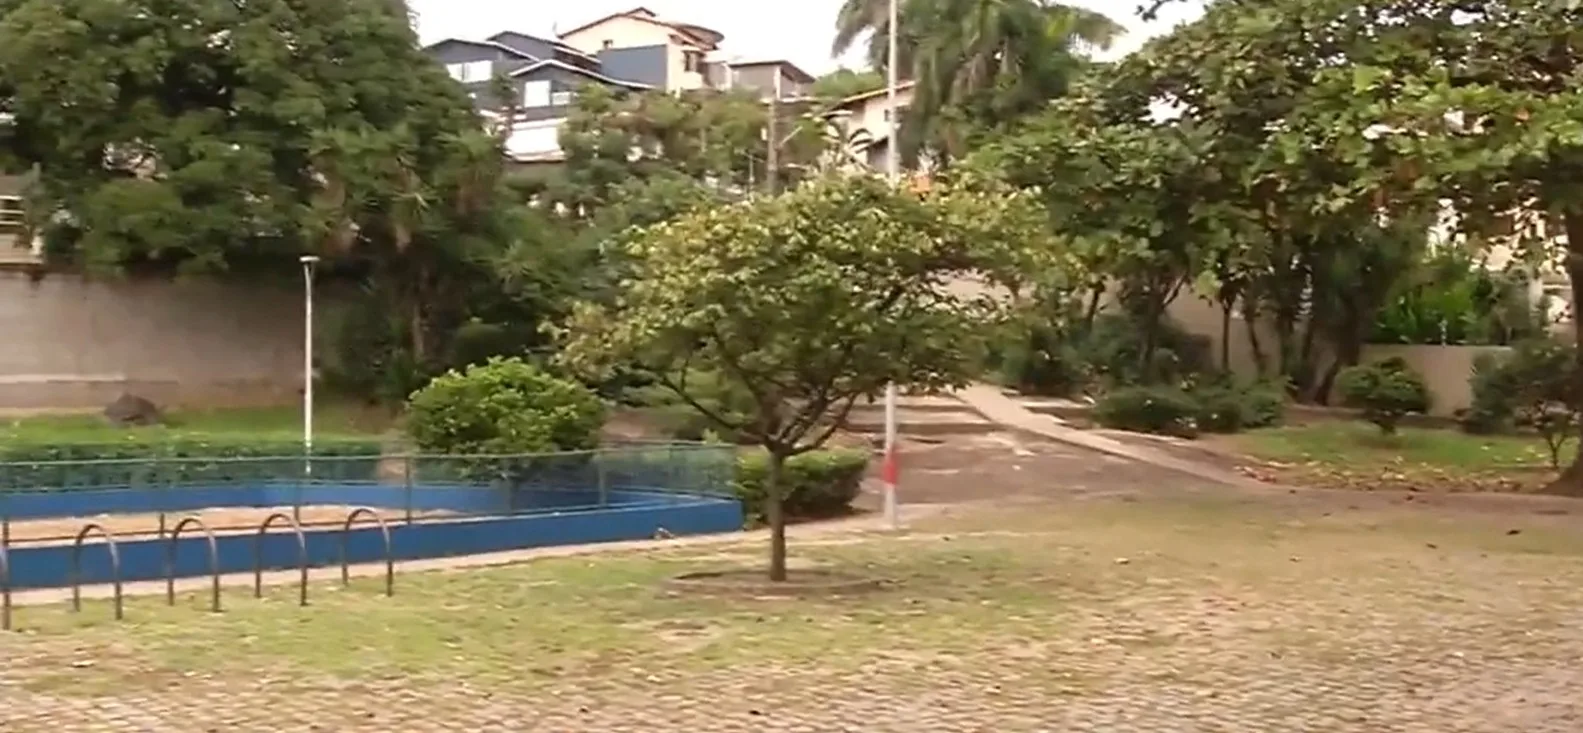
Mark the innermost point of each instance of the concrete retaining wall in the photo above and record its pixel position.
(77, 343)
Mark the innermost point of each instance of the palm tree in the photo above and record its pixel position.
(987, 61)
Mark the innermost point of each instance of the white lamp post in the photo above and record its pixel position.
(308, 262)
(893, 172)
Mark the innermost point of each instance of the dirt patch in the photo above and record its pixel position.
(221, 520)
(754, 583)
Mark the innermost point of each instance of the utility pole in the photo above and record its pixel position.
(772, 138)
(891, 469)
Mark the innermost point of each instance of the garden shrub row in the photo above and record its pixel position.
(155, 458)
(1172, 410)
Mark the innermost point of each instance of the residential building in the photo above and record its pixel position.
(777, 79)
(866, 117)
(541, 76)
(682, 48)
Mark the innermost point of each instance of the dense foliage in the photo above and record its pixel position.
(814, 485)
(503, 407)
(1386, 390)
(806, 302)
(1534, 387)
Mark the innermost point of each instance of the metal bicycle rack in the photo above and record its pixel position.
(170, 560)
(76, 567)
(390, 558)
(302, 556)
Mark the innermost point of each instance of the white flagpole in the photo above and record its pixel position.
(893, 173)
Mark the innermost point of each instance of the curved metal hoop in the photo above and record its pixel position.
(170, 560)
(390, 558)
(76, 567)
(302, 556)
(5, 589)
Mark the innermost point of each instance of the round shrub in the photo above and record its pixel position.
(1221, 409)
(1164, 410)
(503, 407)
(1386, 391)
(821, 483)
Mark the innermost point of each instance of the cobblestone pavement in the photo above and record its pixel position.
(1095, 615)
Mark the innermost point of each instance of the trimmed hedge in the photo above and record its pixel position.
(819, 484)
(151, 459)
(1214, 408)
(1163, 410)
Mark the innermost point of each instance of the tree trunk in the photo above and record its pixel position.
(1092, 311)
(1250, 321)
(774, 512)
(1570, 482)
(1225, 336)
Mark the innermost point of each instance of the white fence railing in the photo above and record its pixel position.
(14, 246)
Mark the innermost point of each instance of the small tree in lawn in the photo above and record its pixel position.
(807, 302)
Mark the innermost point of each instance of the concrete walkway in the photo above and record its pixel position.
(990, 402)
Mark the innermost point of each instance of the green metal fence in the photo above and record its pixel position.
(677, 467)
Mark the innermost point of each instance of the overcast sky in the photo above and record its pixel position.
(798, 30)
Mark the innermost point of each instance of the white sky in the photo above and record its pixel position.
(798, 30)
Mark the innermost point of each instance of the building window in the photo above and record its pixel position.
(562, 98)
(608, 44)
(536, 94)
(692, 61)
(471, 72)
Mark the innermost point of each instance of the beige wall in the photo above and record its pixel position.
(77, 343)
(870, 113)
(628, 32)
(1445, 369)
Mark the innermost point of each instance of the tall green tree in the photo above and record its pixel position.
(1480, 104)
(805, 303)
(977, 64)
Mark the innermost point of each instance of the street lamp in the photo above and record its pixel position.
(308, 263)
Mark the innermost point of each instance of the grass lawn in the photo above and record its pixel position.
(263, 423)
(1223, 616)
(1355, 454)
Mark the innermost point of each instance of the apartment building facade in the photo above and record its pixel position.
(632, 51)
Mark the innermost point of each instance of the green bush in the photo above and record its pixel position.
(1113, 350)
(1263, 405)
(1163, 410)
(1386, 391)
(1456, 298)
(1494, 386)
(503, 407)
(1534, 387)
(822, 483)
(681, 421)
(152, 459)
(1040, 360)
(1231, 408)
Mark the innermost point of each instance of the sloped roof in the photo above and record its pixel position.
(594, 75)
(697, 33)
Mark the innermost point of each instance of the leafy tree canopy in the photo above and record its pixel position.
(206, 133)
(808, 301)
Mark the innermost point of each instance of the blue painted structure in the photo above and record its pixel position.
(503, 518)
